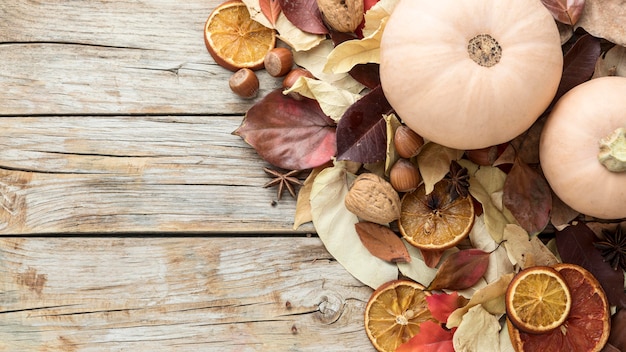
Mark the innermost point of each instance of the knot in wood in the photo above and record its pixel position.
(330, 307)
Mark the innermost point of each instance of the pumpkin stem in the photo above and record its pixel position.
(484, 50)
(612, 152)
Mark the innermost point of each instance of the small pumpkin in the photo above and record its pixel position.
(470, 74)
(582, 149)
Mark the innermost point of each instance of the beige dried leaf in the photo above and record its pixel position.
(605, 19)
(434, 161)
(524, 250)
(613, 63)
(479, 331)
(332, 100)
(303, 204)
(356, 51)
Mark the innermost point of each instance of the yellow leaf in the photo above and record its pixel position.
(377, 14)
(392, 123)
(434, 163)
(357, 51)
(333, 101)
(303, 204)
(335, 226)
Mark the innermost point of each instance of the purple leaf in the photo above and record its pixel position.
(575, 245)
(288, 133)
(305, 15)
(362, 131)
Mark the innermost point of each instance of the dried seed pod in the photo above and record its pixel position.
(372, 198)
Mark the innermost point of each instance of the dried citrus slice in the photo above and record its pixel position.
(435, 221)
(235, 40)
(394, 313)
(586, 328)
(538, 300)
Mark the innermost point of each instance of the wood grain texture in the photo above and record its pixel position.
(177, 294)
(96, 174)
(112, 57)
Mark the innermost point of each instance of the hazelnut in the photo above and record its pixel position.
(407, 142)
(244, 83)
(293, 76)
(404, 176)
(485, 156)
(278, 61)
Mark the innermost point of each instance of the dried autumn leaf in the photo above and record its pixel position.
(528, 196)
(304, 14)
(382, 242)
(618, 326)
(499, 263)
(303, 204)
(441, 305)
(565, 11)
(575, 245)
(332, 100)
(491, 297)
(417, 268)
(353, 52)
(461, 270)
(605, 19)
(335, 227)
(392, 123)
(479, 331)
(362, 131)
(431, 338)
(525, 250)
(561, 214)
(613, 63)
(271, 9)
(288, 133)
(376, 14)
(434, 161)
(578, 64)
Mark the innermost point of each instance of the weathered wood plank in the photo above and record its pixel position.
(103, 57)
(177, 294)
(106, 174)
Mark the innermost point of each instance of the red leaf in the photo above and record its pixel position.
(288, 133)
(578, 64)
(528, 196)
(575, 245)
(382, 242)
(304, 14)
(431, 257)
(362, 131)
(443, 304)
(431, 338)
(565, 11)
(271, 9)
(461, 270)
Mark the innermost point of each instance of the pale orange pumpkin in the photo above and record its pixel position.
(583, 148)
(470, 74)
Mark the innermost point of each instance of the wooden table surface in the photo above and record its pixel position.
(131, 218)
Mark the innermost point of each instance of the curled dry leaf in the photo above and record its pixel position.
(382, 242)
(303, 204)
(270, 128)
(353, 52)
(613, 63)
(333, 101)
(434, 161)
(461, 270)
(565, 11)
(525, 250)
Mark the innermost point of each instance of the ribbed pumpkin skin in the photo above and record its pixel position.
(441, 93)
(568, 149)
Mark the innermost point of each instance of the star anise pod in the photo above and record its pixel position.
(283, 180)
(458, 181)
(613, 248)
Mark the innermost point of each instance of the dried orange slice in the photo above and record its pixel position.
(587, 326)
(435, 221)
(538, 300)
(394, 313)
(235, 40)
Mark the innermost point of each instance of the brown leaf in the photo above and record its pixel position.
(461, 270)
(528, 196)
(288, 133)
(565, 11)
(561, 213)
(605, 19)
(362, 130)
(271, 10)
(432, 257)
(613, 63)
(618, 327)
(382, 242)
(304, 14)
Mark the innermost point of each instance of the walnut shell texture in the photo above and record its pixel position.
(342, 15)
(372, 198)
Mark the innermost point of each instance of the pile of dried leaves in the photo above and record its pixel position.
(343, 125)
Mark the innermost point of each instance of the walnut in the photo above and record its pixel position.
(342, 15)
(372, 198)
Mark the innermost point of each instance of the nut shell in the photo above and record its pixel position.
(342, 15)
(404, 176)
(407, 142)
(244, 83)
(278, 61)
(372, 198)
